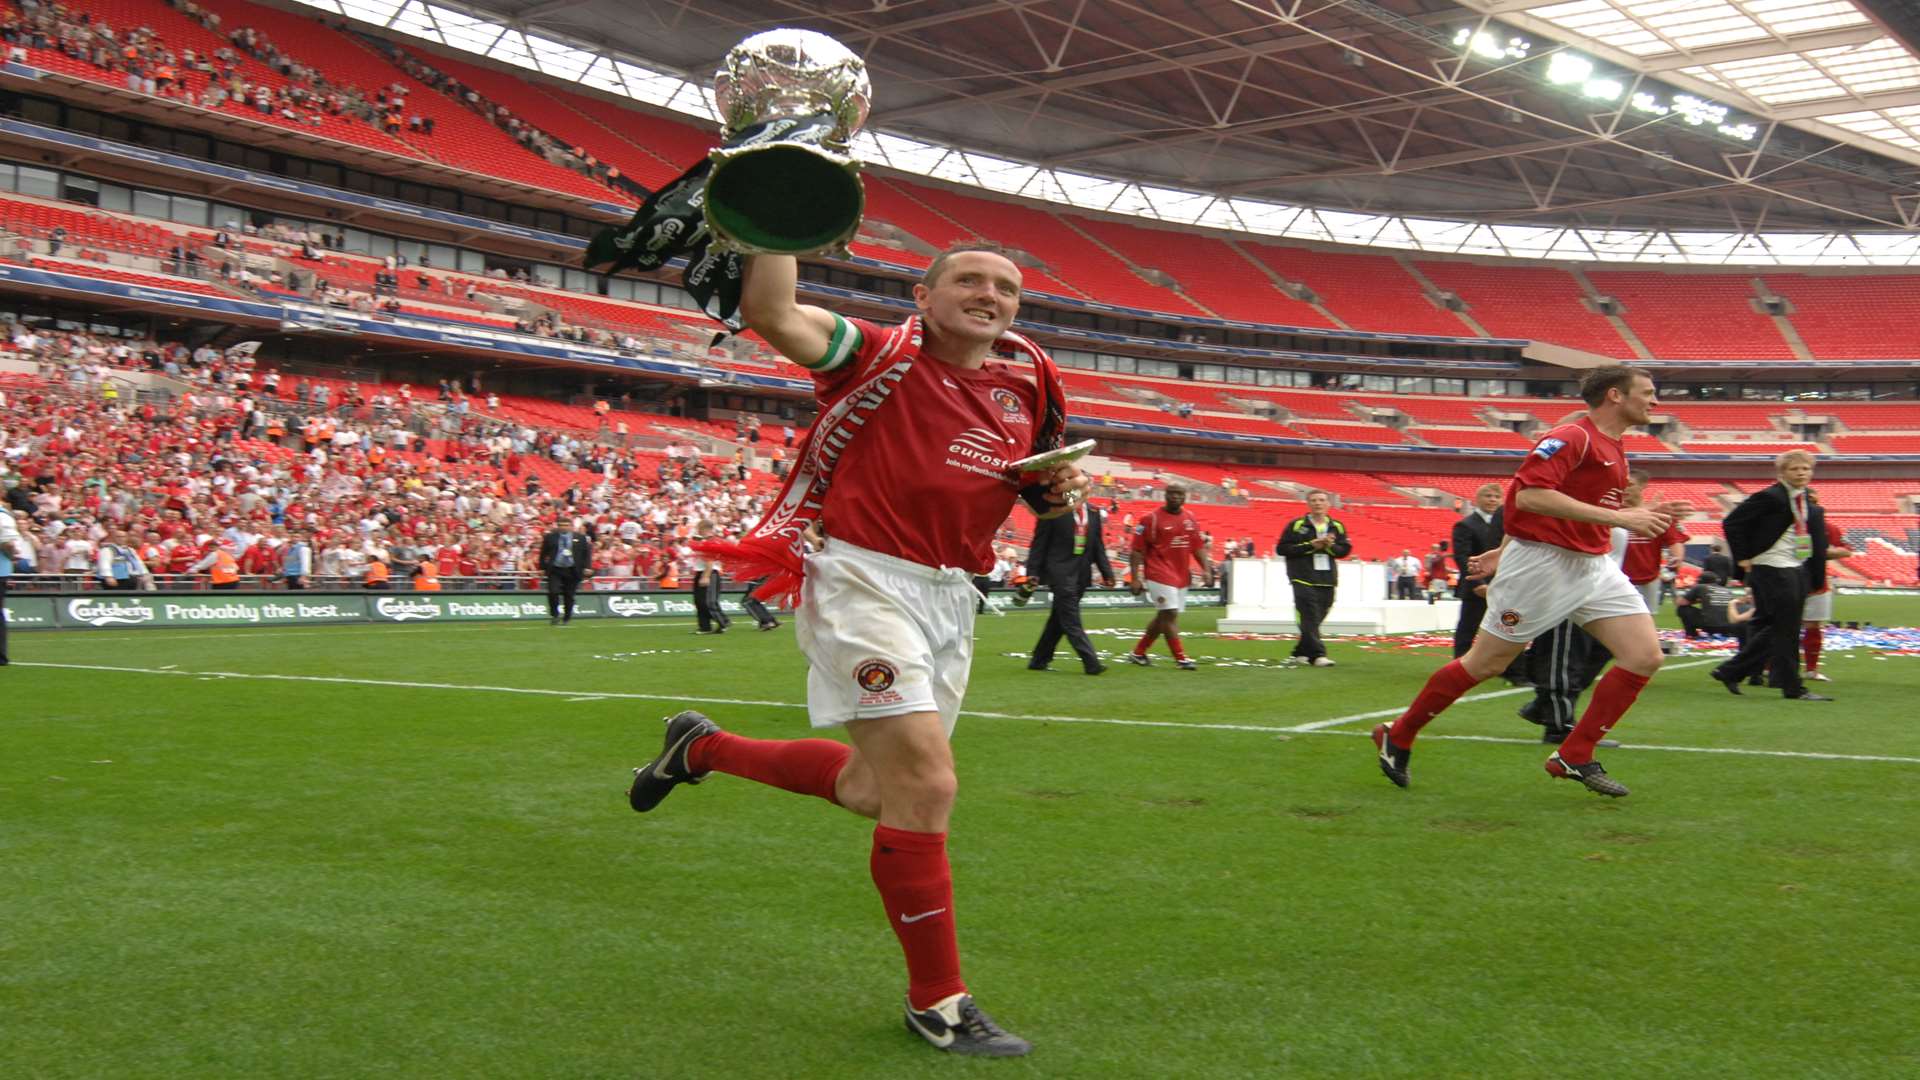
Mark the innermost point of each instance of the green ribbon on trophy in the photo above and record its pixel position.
(782, 183)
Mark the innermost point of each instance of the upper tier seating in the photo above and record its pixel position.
(554, 115)
(1367, 292)
(1481, 438)
(461, 138)
(1855, 317)
(1211, 271)
(1876, 444)
(1538, 303)
(1745, 416)
(1693, 316)
(1071, 257)
(179, 32)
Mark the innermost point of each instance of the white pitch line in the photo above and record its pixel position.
(1044, 718)
(1489, 695)
(70, 634)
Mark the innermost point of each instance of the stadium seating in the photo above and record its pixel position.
(180, 32)
(1750, 416)
(1876, 444)
(555, 113)
(1209, 269)
(1745, 446)
(1367, 292)
(461, 138)
(1537, 303)
(1480, 438)
(1071, 257)
(1693, 316)
(103, 272)
(1853, 317)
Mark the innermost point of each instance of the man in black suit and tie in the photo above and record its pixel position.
(1479, 530)
(565, 555)
(1777, 538)
(1065, 551)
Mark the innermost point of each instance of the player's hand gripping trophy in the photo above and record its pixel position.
(783, 182)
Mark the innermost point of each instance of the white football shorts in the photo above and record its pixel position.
(1167, 597)
(1539, 586)
(883, 636)
(1819, 607)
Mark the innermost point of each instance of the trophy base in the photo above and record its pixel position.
(783, 200)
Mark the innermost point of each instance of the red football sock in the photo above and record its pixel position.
(1811, 644)
(916, 887)
(1612, 697)
(1173, 645)
(1146, 642)
(1443, 688)
(806, 766)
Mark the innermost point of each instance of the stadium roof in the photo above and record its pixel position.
(1708, 131)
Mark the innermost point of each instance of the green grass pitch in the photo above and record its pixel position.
(332, 873)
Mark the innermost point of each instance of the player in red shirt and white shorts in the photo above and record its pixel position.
(1818, 610)
(1555, 566)
(1166, 542)
(915, 434)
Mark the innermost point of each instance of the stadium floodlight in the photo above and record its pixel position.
(1603, 89)
(1696, 112)
(1566, 68)
(1647, 103)
(1488, 47)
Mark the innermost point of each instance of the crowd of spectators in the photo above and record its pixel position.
(253, 464)
(216, 78)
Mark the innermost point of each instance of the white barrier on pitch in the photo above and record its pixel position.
(1260, 601)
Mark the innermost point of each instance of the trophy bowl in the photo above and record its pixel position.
(784, 183)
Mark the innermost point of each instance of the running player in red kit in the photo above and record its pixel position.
(906, 473)
(1166, 541)
(1555, 565)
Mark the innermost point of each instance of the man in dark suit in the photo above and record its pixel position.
(1479, 530)
(1065, 552)
(565, 556)
(1777, 538)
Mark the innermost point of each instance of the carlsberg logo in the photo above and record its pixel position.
(401, 610)
(109, 612)
(630, 606)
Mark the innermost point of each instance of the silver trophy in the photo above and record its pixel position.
(785, 182)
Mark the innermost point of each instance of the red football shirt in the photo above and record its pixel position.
(924, 479)
(1575, 459)
(1645, 555)
(1169, 541)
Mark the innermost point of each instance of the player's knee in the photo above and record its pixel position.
(1645, 663)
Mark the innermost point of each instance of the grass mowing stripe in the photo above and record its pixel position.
(577, 696)
(1380, 713)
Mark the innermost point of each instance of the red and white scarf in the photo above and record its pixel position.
(776, 546)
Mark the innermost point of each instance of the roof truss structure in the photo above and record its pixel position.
(1347, 121)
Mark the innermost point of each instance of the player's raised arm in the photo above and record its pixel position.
(802, 333)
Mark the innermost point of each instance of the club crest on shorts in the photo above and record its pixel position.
(1509, 618)
(875, 676)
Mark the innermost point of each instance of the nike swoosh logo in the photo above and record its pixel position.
(905, 918)
(1606, 463)
(660, 763)
(951, 383)
(942, 1040)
